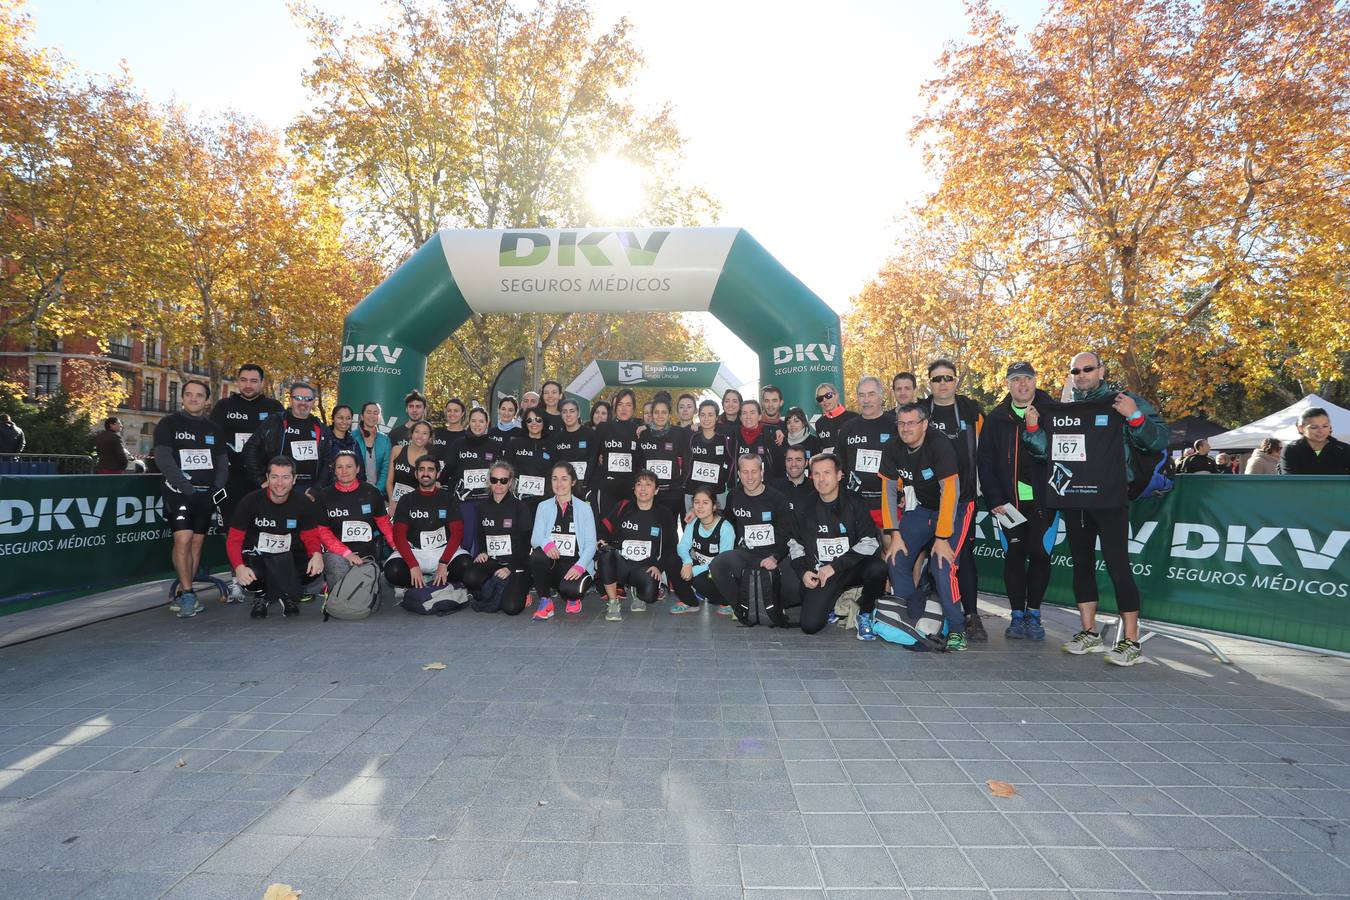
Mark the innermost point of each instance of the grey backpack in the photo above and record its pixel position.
(356, 595)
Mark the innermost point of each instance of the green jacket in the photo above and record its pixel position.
(1150, 436)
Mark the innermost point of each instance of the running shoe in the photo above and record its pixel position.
(1084, 642)
(1032, 626)
(831, 617)
(259, 610)
(545, 610)
(573, 607)
(1125, 653)
(956, 642)
(174, 604)
(725, 610)
(187, 605)
(865, 627)
(975, 629)
(1017, 628)
(637, 605)
(613, 611)
(289, 607)
(306, 598)
(235, 593)
(679, 608)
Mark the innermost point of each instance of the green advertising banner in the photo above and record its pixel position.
(636, 373)
(1260, 556)
(63, 536)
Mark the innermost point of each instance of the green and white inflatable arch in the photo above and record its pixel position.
(724, 271)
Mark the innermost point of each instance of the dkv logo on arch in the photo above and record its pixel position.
(800, 353)
(371, 353)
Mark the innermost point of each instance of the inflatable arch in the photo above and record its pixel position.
(724, 271)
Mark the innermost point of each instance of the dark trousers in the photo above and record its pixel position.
(702, 583)
(506, 594)
(614, 569)
(1112, 526)
(967, 578)
(549, 575)
(277, 575)
(818, 602)
(1026, 557)
(726, 572)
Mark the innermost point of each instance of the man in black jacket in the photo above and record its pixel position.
(836, 547)
(296, 435)
(1317, 452)
(1013, 482)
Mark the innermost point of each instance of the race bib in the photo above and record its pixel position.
(401, 491)
(580, 468)
(705, 472)
(356, 532)
(530, 485)
(273, 543)
(621, 462)
(498, 545)
(433, 539)
(475, 479)
(1068, 448)
(636, 551)
(661, 468)
(826, 449)
(758, 536)
(830, 549)
(195, 460)
(304, 451)
(701, 558)
(868, 461)
(911, 498)
(565, 544)
(240, 440)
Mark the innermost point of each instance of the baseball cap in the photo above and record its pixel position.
(1021, 368)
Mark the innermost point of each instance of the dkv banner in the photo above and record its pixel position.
(1260, 556)
(66, 535)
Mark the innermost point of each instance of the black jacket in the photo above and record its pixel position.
(12, 439)
(1001, 451)
(266, 443)
(816, 518)
(1299, 459)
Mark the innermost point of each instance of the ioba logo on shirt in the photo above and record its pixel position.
(241, 417)
(1066, 422)
(419, 514)
(184, 436)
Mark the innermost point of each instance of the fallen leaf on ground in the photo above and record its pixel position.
(181, 762)
(1001, 788)
(433, 667)
(281, 892)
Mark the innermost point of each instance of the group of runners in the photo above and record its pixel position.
(694, 502)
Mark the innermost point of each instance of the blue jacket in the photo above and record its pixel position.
(582, 517)
(383, 450)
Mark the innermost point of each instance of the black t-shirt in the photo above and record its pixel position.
(473, 457)
(405, 470)
(921, 470)
(399, 435)
(620, 458)
(531, 460)
(762, 446)
(949, 421)
(351, 515)
(274, 528)
(1087, 455)
(196, 442)
(642, 536)
(504, 531)
(577, 447)
(710, 461)
(763, 522)
(445, 440)
(859, 444)
(552, 421)
(795, 494)
(238, 418)
(300, 440)
(667, 455)
(827, 430)
(428, 517)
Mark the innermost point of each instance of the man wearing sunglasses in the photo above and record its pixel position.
(832, 417)
(961, 420)
(1104, 518)
(296, 435)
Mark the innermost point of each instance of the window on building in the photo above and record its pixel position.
(195, 364)
(46, 379)
(172, 397)
(148, 394)
(119, 347)
(128, 391)
(154, 351)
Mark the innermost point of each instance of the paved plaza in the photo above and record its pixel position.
(666, 757)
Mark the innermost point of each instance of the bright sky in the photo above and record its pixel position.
(797, 115)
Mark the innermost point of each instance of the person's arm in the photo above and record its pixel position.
(585, 522)
(312, 538)
(386, 528)
(383, 450)
(1145, 429)
(222, 472)
(234, 547)
(329, 542)
(1036, 443)
(456, 531)
(168, 466)
(389, 473)
(863, 532)
(986, 463)
(544, 517)
(323, 475)
(891, 507)
(950, 488)
(403, 548)
(686, 542)
(255, 452)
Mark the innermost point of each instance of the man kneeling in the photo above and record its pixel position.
(427, 535)
(835, 548)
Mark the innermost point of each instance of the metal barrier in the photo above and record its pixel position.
(46, 464)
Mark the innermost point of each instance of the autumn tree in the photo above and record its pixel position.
(484, 114)
(1161, 179)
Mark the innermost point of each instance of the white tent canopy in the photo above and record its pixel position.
(1281, 425)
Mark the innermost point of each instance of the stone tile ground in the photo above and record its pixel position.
(666, 757)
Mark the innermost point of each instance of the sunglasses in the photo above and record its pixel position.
(301, 399)
(940, 379)
(500, 480)
(1084, 370)
(828, 395)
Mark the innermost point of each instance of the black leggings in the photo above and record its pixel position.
(475, 575)
(549, 576)
(277, 575)
(702, 583)
(1084, 526)
(967, 577)
(1026, 561)
(818, 602)
(614, 569)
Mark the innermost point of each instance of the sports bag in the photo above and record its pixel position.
(356, 595)
(758, 600)
(917, 626)
(435, 601)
